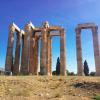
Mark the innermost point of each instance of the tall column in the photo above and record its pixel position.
(25, 51)
(96, 49)
(17, 55)
(43, 54)
(79, 52)
(49, 59)
(62, 53)
(31, 54)
(35, 50)
(51, 56)
(9, 54)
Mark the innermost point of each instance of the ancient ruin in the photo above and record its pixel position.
(94, 29)
(29, 38)
(26, 60)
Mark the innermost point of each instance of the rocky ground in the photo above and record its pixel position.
(48, 88)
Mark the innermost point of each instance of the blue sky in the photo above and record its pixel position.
(67, 13)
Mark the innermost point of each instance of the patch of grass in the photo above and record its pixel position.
(97, 97)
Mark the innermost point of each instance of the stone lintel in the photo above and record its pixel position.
(86, 25)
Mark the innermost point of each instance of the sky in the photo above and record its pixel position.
(66, 13)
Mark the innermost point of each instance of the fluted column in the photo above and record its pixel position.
(9, 54)
(35, 56)
(31, 54)
(79, 52)
(43, 54)
(17, 55)
(96, 49)
(25, 51)
(62, 53)
(49, 58)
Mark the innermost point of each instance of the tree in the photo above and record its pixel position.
(86, 68)
(58, 66)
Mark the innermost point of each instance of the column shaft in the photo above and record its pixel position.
(43, 54)
(35, 50)
(31, 54)
(49, 58)
(17, 55)
(9, 54)
(96, 50)
(79, 52)
(62, 53)
(25, 51)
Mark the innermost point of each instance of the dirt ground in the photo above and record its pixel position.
(48, 88)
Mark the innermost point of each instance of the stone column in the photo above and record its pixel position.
(9, 54)
(35, 50)
(31, 54)
(79, 52)
(62, 53)
(25, 51)
(49, 55)
(43, 54)
(17, 55)
(96, 49)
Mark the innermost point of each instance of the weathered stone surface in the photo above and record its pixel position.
(43, 54)
(96, 49)
(79, 52)
(9, 55)
(29, 60)
(95, 46)
(62, 53)
(49, 55)
(17, 55)
(25, 51)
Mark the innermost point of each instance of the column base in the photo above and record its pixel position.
(8, 73)
(43, 71)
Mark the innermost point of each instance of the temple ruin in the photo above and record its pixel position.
(26, 60)
(28, 39)
(94, 29)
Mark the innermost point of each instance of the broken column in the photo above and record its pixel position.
(79, 52)
(96, 50)
(62, 52)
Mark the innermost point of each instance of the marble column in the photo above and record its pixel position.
(35, 56)
(9, 54)
(96, 50)
(43, 53)
(79, 52)
(62, 53)
(25, 51)
(17, 54)
(31, 54)
(49, 43)
(50, 55)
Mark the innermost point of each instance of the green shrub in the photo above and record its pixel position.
(97, 97)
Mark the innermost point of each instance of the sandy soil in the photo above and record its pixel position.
(48, 88)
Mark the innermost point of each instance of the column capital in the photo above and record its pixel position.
(28, 28)
(45, 24)
(11, 28)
